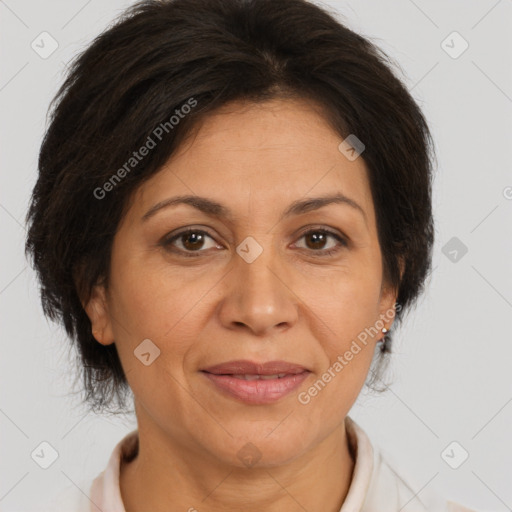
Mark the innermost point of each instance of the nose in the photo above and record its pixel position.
(258, 298)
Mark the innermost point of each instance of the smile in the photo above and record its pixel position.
(256, 383)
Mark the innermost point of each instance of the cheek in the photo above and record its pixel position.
(356, 310)
(158, 302)
(348, 302)
(344, 331)
(347, 314)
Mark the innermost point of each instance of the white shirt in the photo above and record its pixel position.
(375, 485)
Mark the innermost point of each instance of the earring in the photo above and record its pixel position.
(383, 339)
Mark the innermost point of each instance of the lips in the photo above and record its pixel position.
(256, 383)
(275, 369)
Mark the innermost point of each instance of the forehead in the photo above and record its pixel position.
(272, 153)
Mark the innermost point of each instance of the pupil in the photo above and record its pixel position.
(318, 238)
(197, 240)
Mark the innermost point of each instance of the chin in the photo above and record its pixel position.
(258, 450)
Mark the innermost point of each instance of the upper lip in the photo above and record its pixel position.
(244, 367)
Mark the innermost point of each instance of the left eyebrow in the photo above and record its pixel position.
(314, 203)
(215, 209)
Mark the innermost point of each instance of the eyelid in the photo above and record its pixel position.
(314, 227)
(167, 238)
(340, 237)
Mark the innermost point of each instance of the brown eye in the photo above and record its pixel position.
(191, 240)
(316, 240)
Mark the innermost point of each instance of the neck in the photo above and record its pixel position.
(168, 476)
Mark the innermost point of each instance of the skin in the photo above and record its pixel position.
(289, 304)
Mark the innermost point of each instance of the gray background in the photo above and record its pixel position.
(451, 369)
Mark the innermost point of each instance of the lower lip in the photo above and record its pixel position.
(259, 391)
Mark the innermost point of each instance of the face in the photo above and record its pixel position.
(263, 275)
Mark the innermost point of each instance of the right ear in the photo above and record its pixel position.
(98, 312)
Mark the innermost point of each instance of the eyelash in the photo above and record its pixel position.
(166, 242)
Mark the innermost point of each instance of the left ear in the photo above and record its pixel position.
(387, 311)
(388, 297)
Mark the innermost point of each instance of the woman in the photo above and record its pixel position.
(232, 214)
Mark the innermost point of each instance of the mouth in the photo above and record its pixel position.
(256, 383)
(269, 369)
(246, 376)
